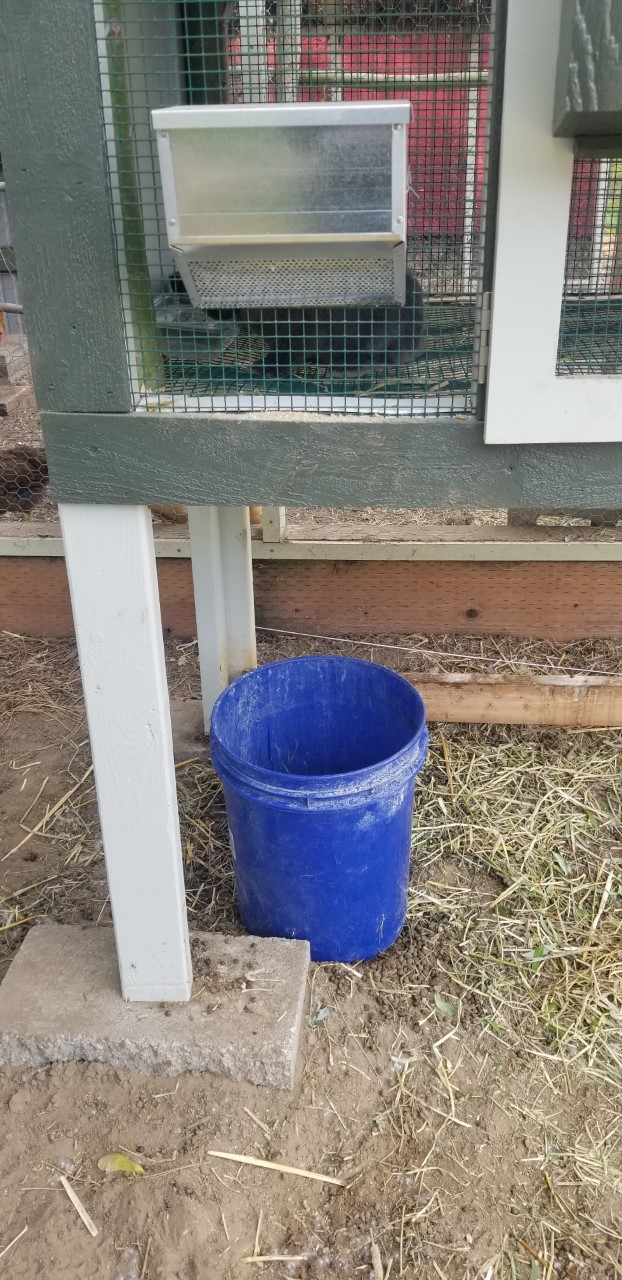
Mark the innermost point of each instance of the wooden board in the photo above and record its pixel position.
(548, 601)
(34, 597)
(305, 540)
(318, 460)
(563, 701)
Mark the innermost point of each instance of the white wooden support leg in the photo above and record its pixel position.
(237, 577)
(209, 602)
(273, 523)
(596, 283)
(110, 561)
(254, 50)
(288, 49)
(470, 178)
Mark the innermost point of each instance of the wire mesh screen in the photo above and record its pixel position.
(438, 54)
(591, 319)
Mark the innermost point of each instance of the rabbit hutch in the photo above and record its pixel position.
(329, 253)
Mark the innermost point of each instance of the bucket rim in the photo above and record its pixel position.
(407, 761)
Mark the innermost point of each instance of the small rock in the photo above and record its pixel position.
(20, 1101)
(129, 1264)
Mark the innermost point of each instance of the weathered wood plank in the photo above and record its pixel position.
(553, 602)
(588, 91)
(549, 602)
(54, 157)
(273, 524)
(538, 539)
(296, 461)
(565, 701)
(237, 577)
(307, 541)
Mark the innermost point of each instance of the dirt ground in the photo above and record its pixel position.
(465, 1087)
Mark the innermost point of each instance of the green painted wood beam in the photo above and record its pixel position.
(53, 155)
(588, 92)
(324, 461)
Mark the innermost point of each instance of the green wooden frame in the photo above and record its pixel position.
(53, 153)
(53, 147)
(329, 461)
(589, 70)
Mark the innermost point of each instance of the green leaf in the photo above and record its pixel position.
(115, 1162)
(592, 819)
(537, 955)
(445, 1006)
(564, 866)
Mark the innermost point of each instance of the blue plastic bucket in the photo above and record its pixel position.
(318, 757)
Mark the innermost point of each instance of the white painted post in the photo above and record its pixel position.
(254, 50)
(535, 189)
(597, 283)
(470, 177)
(334, 15)
(237, 577)
(110, 561)
(273, 523)
(209, 602)
(288, 49)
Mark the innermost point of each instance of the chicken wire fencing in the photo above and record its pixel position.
(591, 319)
(439, 54)
(23, 478)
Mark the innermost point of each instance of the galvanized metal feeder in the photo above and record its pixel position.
(294, 205)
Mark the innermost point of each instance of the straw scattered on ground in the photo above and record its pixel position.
(520, 840)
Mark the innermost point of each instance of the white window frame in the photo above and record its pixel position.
(527, 402)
